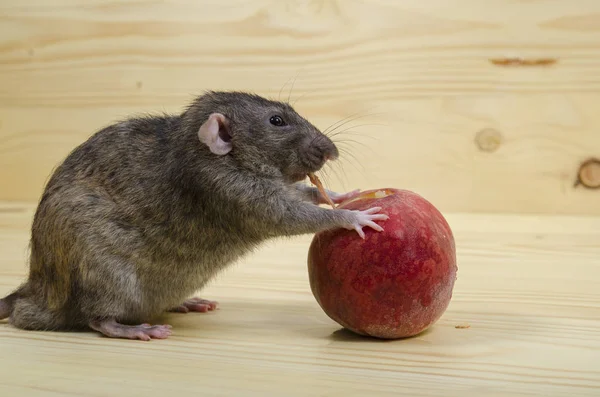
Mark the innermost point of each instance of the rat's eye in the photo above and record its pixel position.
(277, 121)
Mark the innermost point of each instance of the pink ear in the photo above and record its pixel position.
(214, 133)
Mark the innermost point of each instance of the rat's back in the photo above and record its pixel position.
(95, 203)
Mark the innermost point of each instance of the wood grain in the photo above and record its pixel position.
(420, 72)
(527, 286)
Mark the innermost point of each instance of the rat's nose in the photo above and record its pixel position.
(332, 155)
(331, 151)
(320, 150)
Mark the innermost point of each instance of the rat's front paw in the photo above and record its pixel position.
(359, 219)
(338, 198)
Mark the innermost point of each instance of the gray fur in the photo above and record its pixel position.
(142, 214)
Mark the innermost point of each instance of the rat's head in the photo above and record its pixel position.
(264, 136)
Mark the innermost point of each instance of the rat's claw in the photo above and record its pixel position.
(360, 232)
(375, 226)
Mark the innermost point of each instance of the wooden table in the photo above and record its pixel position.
(529, 286)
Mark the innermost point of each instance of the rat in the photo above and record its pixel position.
(150, 208)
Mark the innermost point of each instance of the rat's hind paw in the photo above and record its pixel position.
(144, 332)
(195, 305)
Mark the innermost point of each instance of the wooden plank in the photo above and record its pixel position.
(426, 145)
(69, 69)
(527, 285)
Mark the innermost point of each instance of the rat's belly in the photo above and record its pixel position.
(168, 283)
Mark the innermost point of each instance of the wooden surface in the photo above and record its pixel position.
(527, 285)
(421, 72)
(420, 81)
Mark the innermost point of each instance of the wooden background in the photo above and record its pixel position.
(424, 78)
(419, 73)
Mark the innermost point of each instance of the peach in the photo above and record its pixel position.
(392, 284)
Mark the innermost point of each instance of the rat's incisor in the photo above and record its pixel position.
(148, 210)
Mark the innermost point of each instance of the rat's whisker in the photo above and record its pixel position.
(354, 116)
(350, 130)
(334, 125)
(343, 140)
(332, 167)
(349, 153)
(292, 87)
(302, 96)
(325, 178)
(282, 87)
(352, 120)
(349, 142)
(361, 172)
(328, 178)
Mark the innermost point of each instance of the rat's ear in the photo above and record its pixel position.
(214, 133)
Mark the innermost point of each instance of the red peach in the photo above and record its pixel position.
(393, 284)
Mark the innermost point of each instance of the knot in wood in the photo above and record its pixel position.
(589, 174)
(488, 140)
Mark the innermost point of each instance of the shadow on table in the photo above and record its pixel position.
(345, 335)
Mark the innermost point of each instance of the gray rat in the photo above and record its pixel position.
(147, 210)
